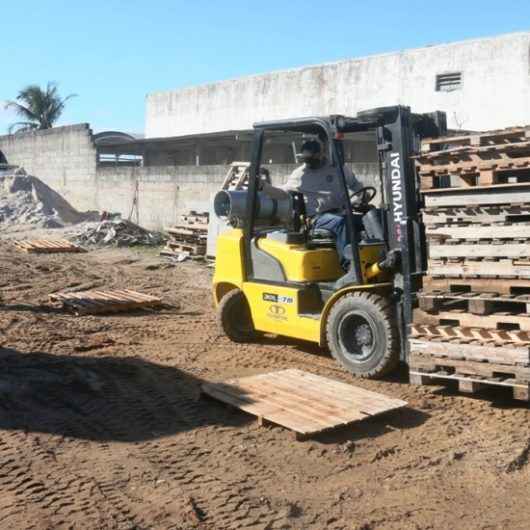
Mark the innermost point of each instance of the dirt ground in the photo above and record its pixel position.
(101, 426)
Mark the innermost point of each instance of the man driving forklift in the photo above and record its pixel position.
(319, 183)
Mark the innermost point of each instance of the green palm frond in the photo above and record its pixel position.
(22, 126)
(39, 108)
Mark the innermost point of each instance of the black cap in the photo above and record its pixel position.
(312, 146)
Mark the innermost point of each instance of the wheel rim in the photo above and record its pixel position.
(357, 335)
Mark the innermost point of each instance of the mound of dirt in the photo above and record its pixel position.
(25, 199)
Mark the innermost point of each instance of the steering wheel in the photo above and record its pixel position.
(362, 198)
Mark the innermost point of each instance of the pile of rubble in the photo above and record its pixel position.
(26, 200)
(117, 232)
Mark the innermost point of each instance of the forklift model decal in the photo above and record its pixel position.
(397, 194)
(277, 312)
(277, 298)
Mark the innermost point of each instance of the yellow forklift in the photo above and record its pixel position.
(275, 274)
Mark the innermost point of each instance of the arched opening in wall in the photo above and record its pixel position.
(3, 159)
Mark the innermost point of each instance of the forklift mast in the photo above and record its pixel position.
(398, 138)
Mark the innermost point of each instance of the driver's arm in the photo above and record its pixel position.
(280, 192)
(274, 192)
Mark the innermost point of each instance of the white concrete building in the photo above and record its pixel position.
(480, 83)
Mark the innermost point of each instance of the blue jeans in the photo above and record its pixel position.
(336, 224)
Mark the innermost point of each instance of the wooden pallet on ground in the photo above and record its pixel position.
(194, 249)
(193, 220)
(188, 236)
(483, 303)
(47, 246)
(305, 403)
(105, 301)
(476, 285)
(471, 375)
(507, 321)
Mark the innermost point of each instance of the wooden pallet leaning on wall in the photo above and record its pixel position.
(47, 246)
(236, 177)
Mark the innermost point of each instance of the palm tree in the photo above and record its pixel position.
(39, 108)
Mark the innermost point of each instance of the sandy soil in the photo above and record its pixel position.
(101, 426)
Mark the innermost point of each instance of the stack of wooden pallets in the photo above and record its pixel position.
(473, 320)
(188, 236)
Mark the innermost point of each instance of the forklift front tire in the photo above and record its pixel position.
(362, 336)
(234, 318)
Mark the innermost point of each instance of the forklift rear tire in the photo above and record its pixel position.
(234, 318)
(362, 336)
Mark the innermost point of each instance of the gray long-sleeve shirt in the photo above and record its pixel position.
(321, 187)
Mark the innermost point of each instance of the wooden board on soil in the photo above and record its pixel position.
(99, 301)
(47, 246)
(307, 404)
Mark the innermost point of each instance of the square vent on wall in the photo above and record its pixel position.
(448, 82)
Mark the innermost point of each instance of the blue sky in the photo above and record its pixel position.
(112, 53)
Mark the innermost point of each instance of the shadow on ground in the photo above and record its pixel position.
(106, 398)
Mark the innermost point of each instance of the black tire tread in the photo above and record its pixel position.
(383, 305)
(235, 296)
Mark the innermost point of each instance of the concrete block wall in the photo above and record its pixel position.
(164, 193)
(63, 157)
(495, 90)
